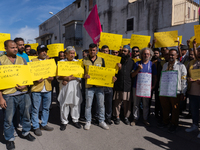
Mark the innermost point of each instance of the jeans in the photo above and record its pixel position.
(99, 93)
(24, 103)
(108, 101)
(195, 100)
(37, 97)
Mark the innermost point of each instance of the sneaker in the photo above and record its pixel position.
(103, 125)
(146, 123)
(87, 125)
(63, 127)
(192, 128)
(198, 136)
(77, 125)
(172, 129)
(38, 132)
(47, 128)
(109, 122)
(29, 137)
(126, 121)
(134, 122)
(117, 121)
(10, 145)
(15, 133)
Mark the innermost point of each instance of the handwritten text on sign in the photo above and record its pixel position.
(101, 76)
(54, 49)
(141, 41)
(3, 38)
(11, 75)
(197, 33)
(195, 74)
(113, 41)
(166, 39)
(168, 83)
(125, 41)
(68, 68)
(110, 60)
(143, 85)
(42, 69)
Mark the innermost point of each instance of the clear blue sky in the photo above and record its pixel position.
(21, 18)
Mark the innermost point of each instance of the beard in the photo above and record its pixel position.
(124, 58)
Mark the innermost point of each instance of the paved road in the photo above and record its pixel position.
(119, 137)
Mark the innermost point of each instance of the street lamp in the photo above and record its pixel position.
(59, 25)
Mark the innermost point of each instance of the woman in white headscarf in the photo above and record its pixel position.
(70, 96)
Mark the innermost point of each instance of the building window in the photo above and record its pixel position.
(194, 15)
(79, 4)
(188, 12)
(130, 24)
(55, 38)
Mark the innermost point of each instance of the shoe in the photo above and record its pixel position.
(47, 128)
(192, 128)
(134, 122)
(117, 121)
(162, 125)
(10, 145)
(29, 137)
(103, 125)
(126, 121)
(146, 123)
(77, 125)
(172, 129)
(63, 127)
(38, 132)
(198, 136)
(82, 119)
(87, 125)
(109, 122)
(15, 133)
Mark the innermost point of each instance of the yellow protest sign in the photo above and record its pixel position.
(136, 59)
(32, 57)
(68, 68)
(3, 38)
(42, 69)
(180, 38)
(101, 76)
(125, 41)
(197, 33)
(113, 41)
(11, 75)
(195, 74)
(33, 45)
(140, 41)
(191, 42)
(166, 39)
(54, 49)
(110, 60)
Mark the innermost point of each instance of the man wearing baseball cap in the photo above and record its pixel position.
(41, 91)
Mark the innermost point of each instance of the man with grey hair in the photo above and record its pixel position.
(70, 94)
(140, 69)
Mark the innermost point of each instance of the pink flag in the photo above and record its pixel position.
(93, 25)
(199, 11)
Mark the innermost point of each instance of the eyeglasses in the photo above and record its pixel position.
(135, 51)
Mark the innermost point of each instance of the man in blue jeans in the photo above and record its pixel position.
(14, 97)
(90, 90)
(41, 91)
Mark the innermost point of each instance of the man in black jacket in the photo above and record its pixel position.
(122, 86)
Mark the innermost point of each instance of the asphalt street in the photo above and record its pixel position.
(118, 137)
